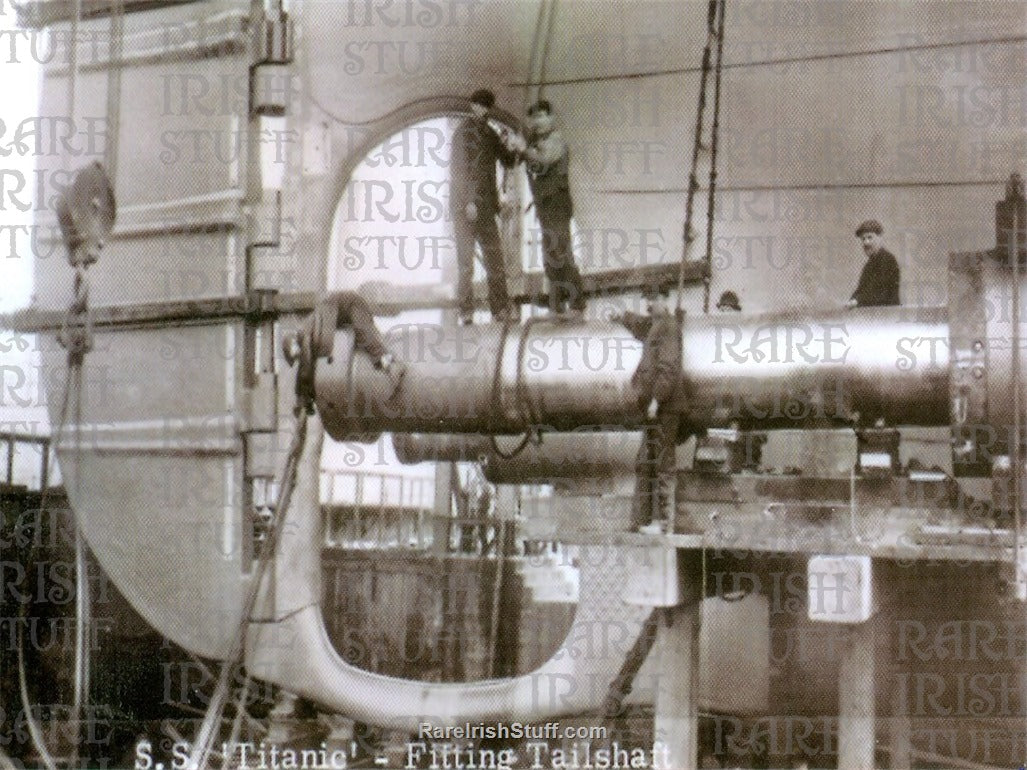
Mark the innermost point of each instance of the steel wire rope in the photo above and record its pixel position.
(35, 732)
(543, 64)
(202, 747)
(532, 57)
(786, 60)
(513, 221)
(233, 737)
(711, 200)
(80, 695)
(70, 381)
(80, 691)
(1017, 459)
(693, 183)
(117, 32)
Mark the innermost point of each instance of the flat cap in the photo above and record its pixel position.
(729, 301)
(542, 105)
(484, 97)
(869, 226)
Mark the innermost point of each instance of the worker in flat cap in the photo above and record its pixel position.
(547, 159)
(879, 282)
(341, 310)
(663, 400)
(474, 205)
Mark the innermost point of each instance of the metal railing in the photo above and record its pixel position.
(11, 441)
(377, 510)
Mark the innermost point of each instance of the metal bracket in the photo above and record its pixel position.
(840, 589)
(260, 305)
(1020, 582)
(260, 396)
(260, 404)
(877, 452)
(968, 388)
(264, 222)
(270, 78)
(276, 38)
(270, 89)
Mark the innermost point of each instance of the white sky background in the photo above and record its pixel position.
(20, 98)
(20, 78)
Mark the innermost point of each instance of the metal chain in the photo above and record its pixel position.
(711, 201)
(693, 182)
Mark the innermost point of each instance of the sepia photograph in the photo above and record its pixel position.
(513, 384)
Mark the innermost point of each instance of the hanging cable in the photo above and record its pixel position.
(623, 682)
(80, 673)
(35, 731)
(551, 23)
(513, 183)
(76, 15)
(533, 56)
(711, 204)
(115, 48)
(83, 603)
(240, 709)
(1017, 454)
(80, 696)
(201, 749)
(85, 212)
(689, 235)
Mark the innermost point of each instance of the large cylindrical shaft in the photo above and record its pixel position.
(560, 456)
(792, 370)
(761, 371)
(485, 379)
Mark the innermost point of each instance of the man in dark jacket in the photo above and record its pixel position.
(879, 282)
(547, 158)
(474, 204)
(338, 310)
(660, 396)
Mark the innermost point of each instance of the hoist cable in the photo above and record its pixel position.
(693, 182)
(117, 31)
(711, 201)
(550, 24)
(532, 57)
(202, 746)
(80, 696)
(35, 731)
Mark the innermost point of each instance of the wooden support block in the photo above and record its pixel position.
(856, 711)
(900, 739)
(676, 718)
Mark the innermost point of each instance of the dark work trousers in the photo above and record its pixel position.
(355, 313)
(485, 232)
(655, 466)
(558, 259)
